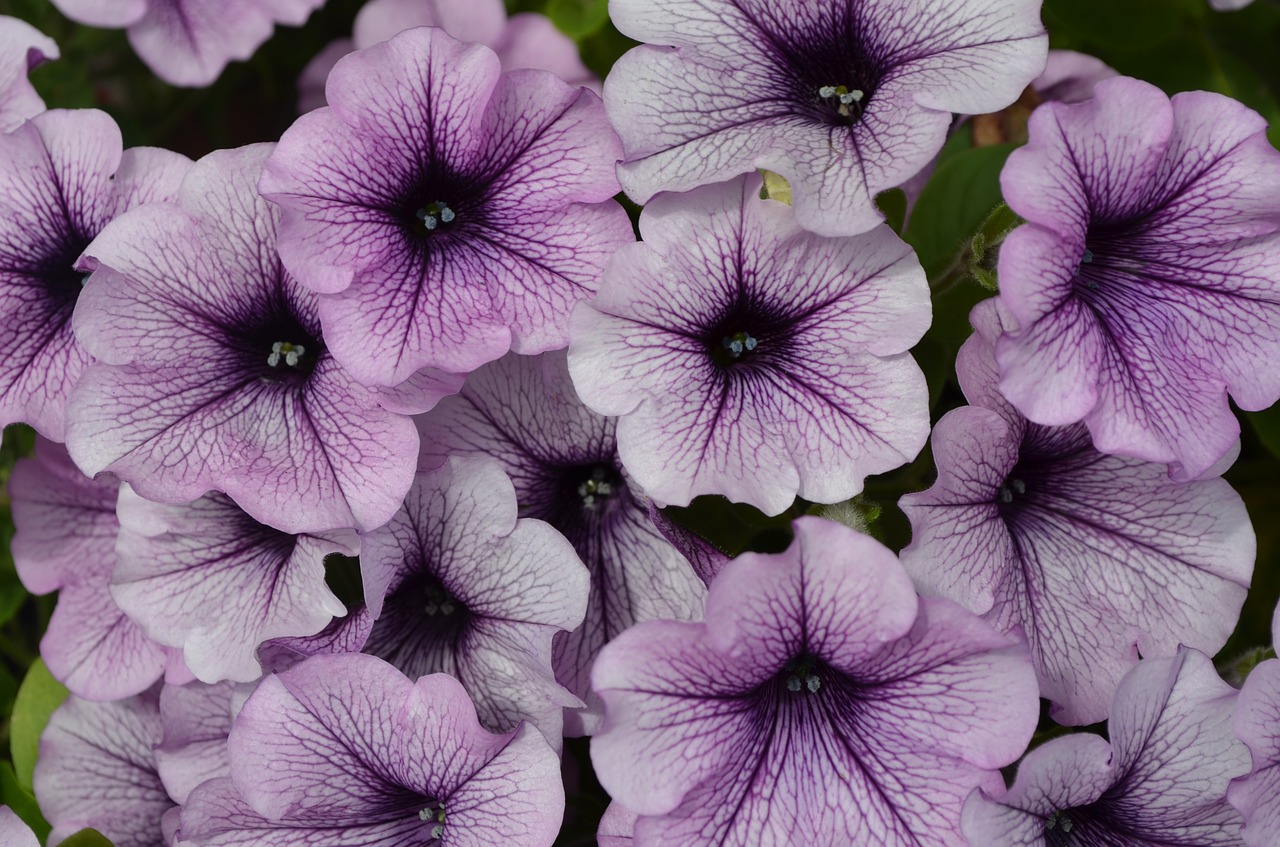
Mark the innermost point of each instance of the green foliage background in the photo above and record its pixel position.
(1176, 44)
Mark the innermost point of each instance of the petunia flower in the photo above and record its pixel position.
(387, 762)
(63, 176)
(526, 40)
(14, 832)
(195, 721)
(1070, 77)
(22, 47)
(189, 42)
(1144, 287)
(749, 358)
(1257, 724)
(617, 827)
(210, 580)
(96, 770)
(844, 98)
(821, 703)
(458, 584)
(1160, 780)
(451, 212)
(1094, 559)
(563, 460)
(65, 539)
(214, 373)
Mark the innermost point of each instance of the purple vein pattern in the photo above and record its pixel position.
(844, 98)
(451, 211)
(97, 770)
(63, 176)
(750, 358)
(458, 584)
(1144, 287)
(213, 372)
(1160, 782)
(822, 702)
(1257, 724)
(1092, 558)
(563, 459)
(345, 750)
(65, 542)
(210, 580)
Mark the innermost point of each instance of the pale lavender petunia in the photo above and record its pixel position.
(15, 833)
(822, 702)
(97, 770)
(458, 584)
(1144, 287)
(1070, 77)
(214, 373)
(452, 212)
(844, 98)
(1160, 782)
(526, 40)
(22, 47)
(617, 827)
(1094, 559)
(387, 762)
(63, 176)
(563, 460)
(1257, 724)
(346, 634)
(195, 721)
(750, 358)
(65, 542)
(189, 42)
(207, 578)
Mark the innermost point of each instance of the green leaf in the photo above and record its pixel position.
(87, 838)
(22, 802)
(38, 696)
(957, 199)
(1267, 425)
(578, 18)
(1120, 24)
(893, 204)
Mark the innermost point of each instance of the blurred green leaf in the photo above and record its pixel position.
(87, 838)
(38, 696)
(22, 802)
(1267, 426)
(578, 18)
(957, 199)
(893, 204)
(1123, 24)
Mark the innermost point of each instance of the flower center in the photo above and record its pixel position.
(596, 487)
(434, 812)
(846, 101)
(1012, 488)
(734, 347)
(438, 600)
(801, 676)
(1057, 830)
(286, 353)
(434, 215)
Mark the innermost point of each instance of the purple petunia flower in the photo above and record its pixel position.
(1070, 77)
(749, 358)
(97, 770)
(821, 703)
(189, 42)
(65, 542)
(1093, 558)
(563, 460)
(386, 763)
(844, 98)
(214, 373)
(1162, 779)
(1143, 288)
(458, 584)
(22, 47)
(15, 833)
(195, 720)
(1257, 724)
(526, 40)
(452, 213)
(63, 176)
(617, 827)
(209, 579)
